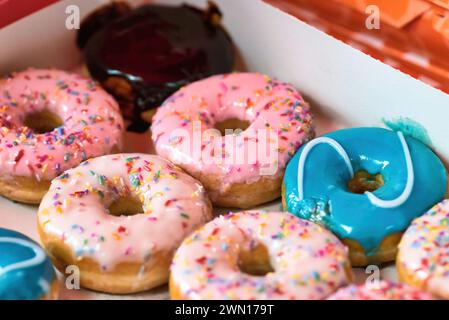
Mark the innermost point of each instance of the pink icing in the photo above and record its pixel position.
(92, 126)
(424, 249)
(309, 261)
(268, 105)
(75, 208)
(383, 290)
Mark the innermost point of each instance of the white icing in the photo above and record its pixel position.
(303, 157)
(372, 198)
(39, 255)
(408, 186)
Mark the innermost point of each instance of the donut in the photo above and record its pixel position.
(423, 257)
(366, 185)
(144, 55)
(244, 168)
(259, 255)
(26, 272)
(50, 121)
(119, 218)
(383, 290)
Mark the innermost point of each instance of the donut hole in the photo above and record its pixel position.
(42, 121)
(255, 261)
(228, 126)
(364, 181)
(126, 206)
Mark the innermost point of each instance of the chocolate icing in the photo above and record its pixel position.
(147, 54)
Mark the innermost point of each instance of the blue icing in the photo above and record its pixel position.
(28, 282)
(410, 128)
(326, 197)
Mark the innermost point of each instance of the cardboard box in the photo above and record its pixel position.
(345, 86)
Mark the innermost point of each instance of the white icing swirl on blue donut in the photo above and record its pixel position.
(307, 148)
(39, 255)
(26, 271)
(341, 151)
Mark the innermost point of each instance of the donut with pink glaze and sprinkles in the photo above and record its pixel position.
(51, 121)
(381, 290)
(259, 255)
(120, 218)
(423, 258)
(242, 168)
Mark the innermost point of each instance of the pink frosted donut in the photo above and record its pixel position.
(119, 218)
(259, 255)
(383, 290)
(51, 121)
(423, 257)
(242, 169)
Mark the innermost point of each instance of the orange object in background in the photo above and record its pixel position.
(13, 10)
(442, 3)
(413, 35)
(397, 13)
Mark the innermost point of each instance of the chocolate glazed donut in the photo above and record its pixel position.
(142, 56)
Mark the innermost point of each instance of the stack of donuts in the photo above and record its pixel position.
(131, 222)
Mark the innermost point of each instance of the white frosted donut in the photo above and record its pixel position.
(223, 259)
(118, 252)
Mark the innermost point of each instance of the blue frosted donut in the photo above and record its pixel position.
(410, 179)
(26, 272)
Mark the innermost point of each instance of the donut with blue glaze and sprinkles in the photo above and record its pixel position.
(26, 272)
(366, 185)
